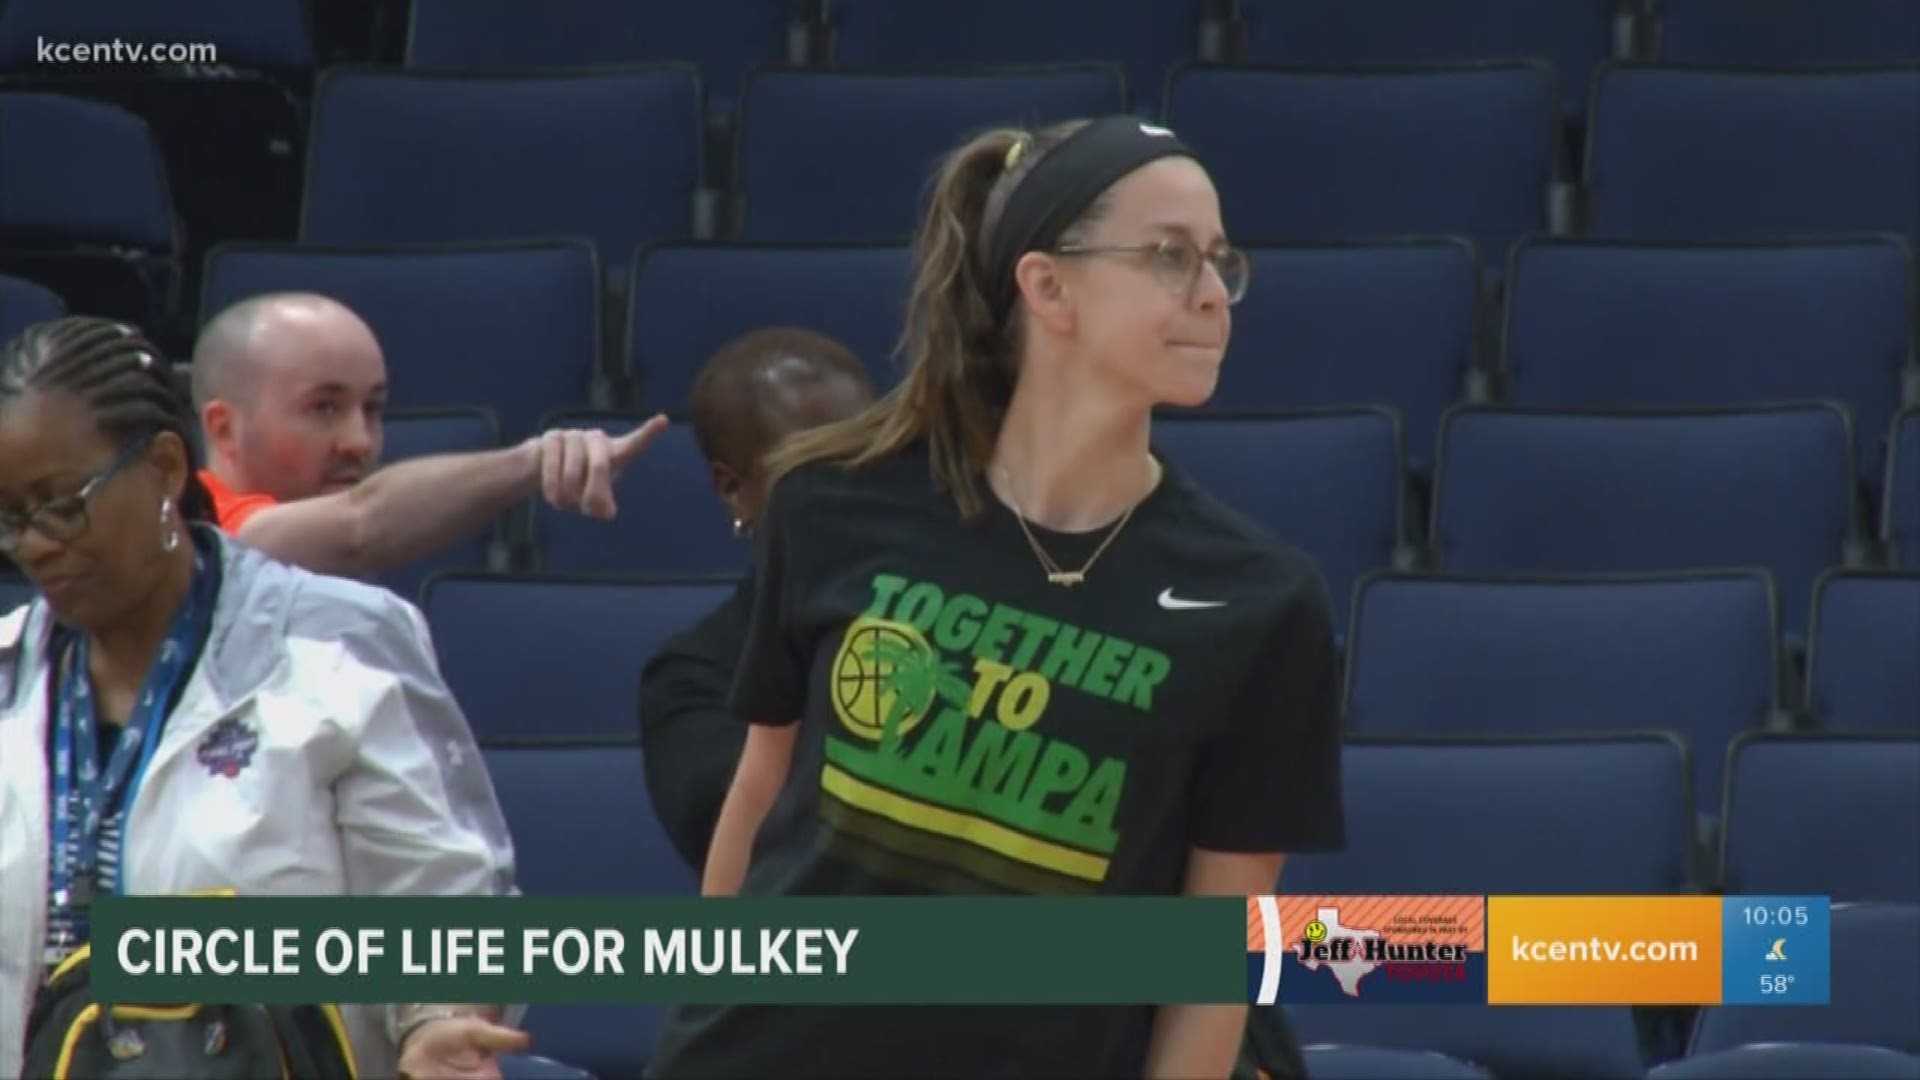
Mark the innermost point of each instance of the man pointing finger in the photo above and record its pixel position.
(291, 389)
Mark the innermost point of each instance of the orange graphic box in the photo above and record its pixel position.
(1603, 950)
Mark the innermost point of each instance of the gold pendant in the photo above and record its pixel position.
(1068, 578)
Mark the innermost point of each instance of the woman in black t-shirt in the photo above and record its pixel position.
(997, 646)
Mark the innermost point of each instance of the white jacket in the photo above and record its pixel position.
(365, 778)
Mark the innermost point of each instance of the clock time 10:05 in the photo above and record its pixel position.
(1781, 915)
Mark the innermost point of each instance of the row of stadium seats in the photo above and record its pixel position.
(1578, 815)
(1517, 491)
(1429, 656)
(1611, 814)
(835, 156)
(1584, 323)
(726, 38)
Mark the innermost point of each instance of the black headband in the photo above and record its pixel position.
(1062, 184)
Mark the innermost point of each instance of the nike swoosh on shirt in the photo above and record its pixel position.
(1175, 603)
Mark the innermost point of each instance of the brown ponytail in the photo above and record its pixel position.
(962, 363)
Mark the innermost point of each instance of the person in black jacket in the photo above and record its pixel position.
(753, 392)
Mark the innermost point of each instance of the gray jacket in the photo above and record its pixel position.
(356, 771)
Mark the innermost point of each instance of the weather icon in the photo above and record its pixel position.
(1779, 950)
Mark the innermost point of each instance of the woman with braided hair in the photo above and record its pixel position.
(180, 714)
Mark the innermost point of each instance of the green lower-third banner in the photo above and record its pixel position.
(961, 950)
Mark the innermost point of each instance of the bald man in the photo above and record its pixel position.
(291, 389)
(755, 391)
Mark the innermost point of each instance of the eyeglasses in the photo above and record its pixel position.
(66, 519)
(1177, 264)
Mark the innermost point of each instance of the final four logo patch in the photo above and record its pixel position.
(228, 748)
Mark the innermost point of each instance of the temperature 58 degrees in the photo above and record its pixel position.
(1775, 984)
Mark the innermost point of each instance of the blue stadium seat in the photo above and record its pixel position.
(508, 645)
(1634, 325)
(1862, 673)
(1689, 154)
(14, 591)
(513, 327)
(547, 793)
(723, 38)
(1783, 32)
(244, 33)
(832, 156)
(1577, 814)
(423, 433)
(1329, 483)
(23, 303)
(1146, 37)
(99, 230)
(1902, 513)
(613, 156)
(1874, 998)
(1537, 491)
(1825, 814)
(229, 142)
(1590, 1042)
(1792, 1061)
(221, 84)
(1359, 1063)
(111, 190)
(686, 300)
(1351, 324)
(1491, 656)
(1575, 35)
(1333, 155)
(669, 520)
(548, 789)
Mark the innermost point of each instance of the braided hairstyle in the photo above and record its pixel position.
(124, 380)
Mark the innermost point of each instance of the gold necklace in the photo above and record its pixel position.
(1056, 575)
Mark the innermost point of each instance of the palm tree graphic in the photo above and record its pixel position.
(914, 674)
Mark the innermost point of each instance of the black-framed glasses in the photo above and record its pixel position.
(66, 519)
(1176, 263)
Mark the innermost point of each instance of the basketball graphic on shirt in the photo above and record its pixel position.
(883, 671)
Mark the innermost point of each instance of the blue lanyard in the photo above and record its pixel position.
(84, 790)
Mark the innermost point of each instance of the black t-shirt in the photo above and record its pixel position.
(689, 738)
(969, 727)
